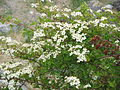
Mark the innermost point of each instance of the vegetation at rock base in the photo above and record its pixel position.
(64, 50)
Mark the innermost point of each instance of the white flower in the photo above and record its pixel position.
(67, 10)
(116, 42)
(93, 45)
(103, 18)
(63, 32)
(66, 15)
(108, 6)
(79, 37)
(95, 22)
(91, 11)
(50, 0)
(73, 81)
(98, 11)
(94, 77)
(76, 14)
(117, 29)
(86, 86)
(34, 5)
(31, 12)
(57, 15)
(50, 82)
(38, 34)
(102, 25)
(42, 0)
(43, 15)
(108, 10)
(81, 58)
(26, 45)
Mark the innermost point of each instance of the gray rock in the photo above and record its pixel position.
(4, 27)
(1, 71)
(19, 9)
(116, 5)
(24, 87)
(108, 6)
(95, 5)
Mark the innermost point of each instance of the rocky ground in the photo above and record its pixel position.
(62, 3)
(19, 9)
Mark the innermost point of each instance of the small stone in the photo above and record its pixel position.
(4, 27)
(116, 5)
(95, 5)
(108, 6)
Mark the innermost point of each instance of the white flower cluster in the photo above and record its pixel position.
(66, 15)
(117, 29)
(34, 5)
(8, 40)
(87, 86)
(106, 9)
(57, 15)
(38, 33)
(10, 84)
(12, 71)
(57, 40)
(9, 52)
(117, 42)
(52, 78)
(24, 70)
(7, 44)
(48, 0)
(73, 81)
(66, 12)
(43, 15)
(80, 56)
(53, 8)
(31, 48)
(48, 41)
(76, 14)
(98, 22)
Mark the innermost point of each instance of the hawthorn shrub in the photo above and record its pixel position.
(66, 50)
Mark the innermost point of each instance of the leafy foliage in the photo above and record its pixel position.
(62, 51)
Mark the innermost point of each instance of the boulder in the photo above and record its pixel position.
(95, 4)
(4, 27)
(116, 5)
(108, 6)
